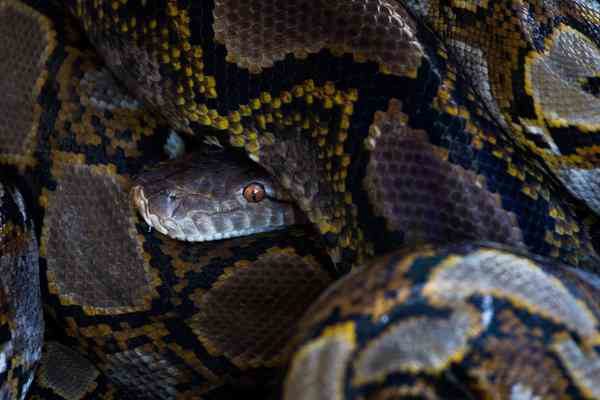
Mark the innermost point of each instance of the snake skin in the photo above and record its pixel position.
(148, 317)
(462, 321)
(423, 125)
(21, 323)
(200, 197)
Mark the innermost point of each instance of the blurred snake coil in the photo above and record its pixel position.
(445, 152)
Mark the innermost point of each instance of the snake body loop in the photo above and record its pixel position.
(447, 151)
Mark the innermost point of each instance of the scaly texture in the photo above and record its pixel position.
(204, 196)
(21, 323)
(463, 321)
(129, 300)
(390, 123)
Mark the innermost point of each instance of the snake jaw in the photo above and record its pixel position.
(200, 197)
(141, 203)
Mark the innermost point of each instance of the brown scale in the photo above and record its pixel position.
(66, 374)
(568, 232)
(250, 312)
(26, 41)
(146, 372)
(85, 233)
(295, 162)
(419, 193)
(375, 30)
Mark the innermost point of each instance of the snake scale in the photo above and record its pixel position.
(445, 151)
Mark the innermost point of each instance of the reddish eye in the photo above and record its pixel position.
(254, 192)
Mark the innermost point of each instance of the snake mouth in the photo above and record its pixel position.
(141, 203)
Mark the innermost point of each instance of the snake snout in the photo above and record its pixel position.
(141, 203)
(152, 216)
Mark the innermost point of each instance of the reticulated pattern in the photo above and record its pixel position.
(66, 372)
(90, 244)
(425, 197)
(144, 373)
(375, 30)
(25, 44)
(251, 311)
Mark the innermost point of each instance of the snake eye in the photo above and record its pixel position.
(254, 192)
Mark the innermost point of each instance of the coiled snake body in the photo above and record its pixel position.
(445, 149)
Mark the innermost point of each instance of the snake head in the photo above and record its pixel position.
(202, 197)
